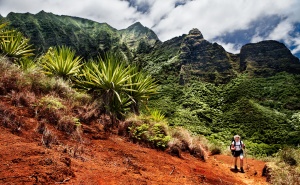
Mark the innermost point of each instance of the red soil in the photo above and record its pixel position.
(102, 159)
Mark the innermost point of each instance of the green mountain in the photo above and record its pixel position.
(203, 87)
(87, 37)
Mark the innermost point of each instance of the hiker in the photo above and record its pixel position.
(237, 147)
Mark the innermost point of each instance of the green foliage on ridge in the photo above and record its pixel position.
(89, 38)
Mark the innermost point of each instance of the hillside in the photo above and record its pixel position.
(202, 87)
(101, 158)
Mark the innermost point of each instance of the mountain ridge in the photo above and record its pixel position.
(196, 58)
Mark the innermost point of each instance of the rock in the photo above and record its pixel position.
(203, 60)
(267, 58)
(267, 173)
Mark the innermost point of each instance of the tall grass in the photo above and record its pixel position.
(286, 168)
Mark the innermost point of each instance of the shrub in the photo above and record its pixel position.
(215, 149)
(285, 169)
(50, 108)
(152, 134)
(173, 147)
(88, 111)
(290, 156)
(283, 174)
(14, 44)
(27, 65)
(41, 127)
(183, 138)
(68, 124)
(10, 120)
(24, 98)
(9, 76)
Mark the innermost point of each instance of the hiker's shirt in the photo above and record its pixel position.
(238, 145)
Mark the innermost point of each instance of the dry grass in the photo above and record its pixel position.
(87, 112)
(48, 138)
(282, 174)
(23, 98)
(183, 140)
(10, 120)
(285, 169)
(50, 108)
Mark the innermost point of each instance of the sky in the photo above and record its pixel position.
(230, 23)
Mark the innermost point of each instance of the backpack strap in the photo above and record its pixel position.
(241, 144)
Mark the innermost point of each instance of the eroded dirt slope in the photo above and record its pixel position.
(99, 158)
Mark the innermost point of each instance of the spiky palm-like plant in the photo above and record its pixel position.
(143, 86)
(3, 31)
(14, 44)
(107, 78)
(61, 62)
(27, 64)
(119, 86)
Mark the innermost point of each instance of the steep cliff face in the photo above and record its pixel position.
(267, 58)
(204, 60)
(136, 35)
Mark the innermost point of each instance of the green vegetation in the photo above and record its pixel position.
(14, 44)
(264, 111)
(119, 86)
(153, 134)
(61, 62)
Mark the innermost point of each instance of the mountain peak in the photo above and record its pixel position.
(136, 24)
(268, 57)
(196, 32)
(135, 33)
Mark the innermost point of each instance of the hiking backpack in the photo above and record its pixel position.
(232, 151)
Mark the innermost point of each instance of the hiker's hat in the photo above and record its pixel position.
(236, 136)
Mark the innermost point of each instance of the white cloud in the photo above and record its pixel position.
(214, 17)
(230, 47)
(282, 32)
(297, 44)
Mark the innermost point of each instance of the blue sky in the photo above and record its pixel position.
(231, 23)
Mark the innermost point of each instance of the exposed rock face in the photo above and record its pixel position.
(204, 60)
(267, 58)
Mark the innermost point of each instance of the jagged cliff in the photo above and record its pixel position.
(267, 58)
(209, 62)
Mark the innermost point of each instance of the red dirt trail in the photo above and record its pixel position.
(101, 159)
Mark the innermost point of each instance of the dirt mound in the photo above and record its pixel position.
(99, 158)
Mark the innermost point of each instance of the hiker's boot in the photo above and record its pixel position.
(242, 170)
(235, 167)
